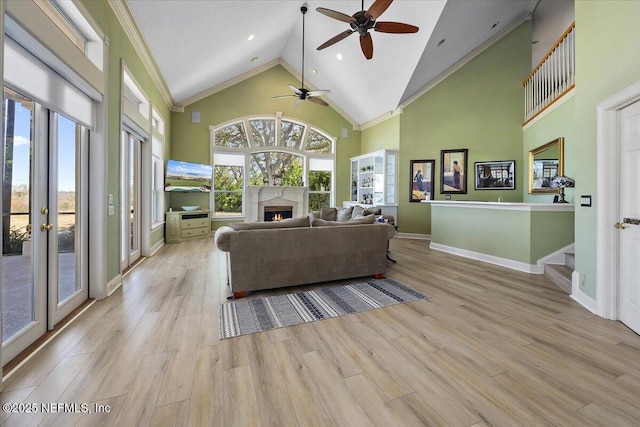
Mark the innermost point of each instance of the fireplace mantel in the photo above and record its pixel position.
(257, 197)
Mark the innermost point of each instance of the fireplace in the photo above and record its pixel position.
(277, 213)
(258, 199)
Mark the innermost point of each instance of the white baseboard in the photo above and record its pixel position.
(114, 284)
(155, 248)
(503, 262)
(580, 297)
(414, 236)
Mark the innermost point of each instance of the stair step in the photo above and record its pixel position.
(570, 260)
(560, 275)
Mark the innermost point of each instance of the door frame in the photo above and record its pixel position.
(608, 208)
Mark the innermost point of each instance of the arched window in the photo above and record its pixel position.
(271, 151)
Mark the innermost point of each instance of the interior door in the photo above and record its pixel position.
(629, 226)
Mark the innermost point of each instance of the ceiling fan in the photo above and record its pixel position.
(303, 93)
(363, 21)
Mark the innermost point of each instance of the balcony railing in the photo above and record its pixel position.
(552, 77)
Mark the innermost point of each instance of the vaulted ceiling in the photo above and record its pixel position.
(201, 45)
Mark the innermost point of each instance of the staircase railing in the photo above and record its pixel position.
(552, 77)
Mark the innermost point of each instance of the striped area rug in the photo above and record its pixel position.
(249, 316)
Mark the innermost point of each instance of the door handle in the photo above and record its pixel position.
(46, 227)
(632, 221)
(620, 226)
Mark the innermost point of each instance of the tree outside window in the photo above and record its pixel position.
(319, 190)
(228, 185)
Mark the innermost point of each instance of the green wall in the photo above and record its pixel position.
(384, 135)
(253, 97)
(478, 107)
(607, 61)
(119, 49)
(558, 123)
(521, 236)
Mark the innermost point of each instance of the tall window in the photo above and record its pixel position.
(271, 151)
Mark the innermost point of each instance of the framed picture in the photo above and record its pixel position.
(421, 180)
(453, 172)
(498, 175)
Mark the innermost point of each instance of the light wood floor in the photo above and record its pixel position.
(491, 347)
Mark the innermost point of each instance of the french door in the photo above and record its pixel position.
(131, 188)
(44, 275)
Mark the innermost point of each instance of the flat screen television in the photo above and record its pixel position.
(188, 177)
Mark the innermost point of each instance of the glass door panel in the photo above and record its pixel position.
(66, 216)
(18, 296)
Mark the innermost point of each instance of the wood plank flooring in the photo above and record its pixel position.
(491, 347)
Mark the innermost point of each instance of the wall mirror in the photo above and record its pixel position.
(545, 163)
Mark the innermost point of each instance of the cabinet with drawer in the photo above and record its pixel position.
(186, 225)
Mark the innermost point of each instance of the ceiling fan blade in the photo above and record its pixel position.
(336, 15)
(366, 43)
(298, 102)
(377, 8)
(285, 96)
(335, 39)
(317, 101)
(318, 92)
(295, 89)
(395, 28)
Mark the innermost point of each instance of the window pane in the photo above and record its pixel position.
(228, 178)
(319, 181)
(275, 168)
(319, 200)
(319, 143)
(233, 135)
(291, 134)
(228, 186)
(263, 132)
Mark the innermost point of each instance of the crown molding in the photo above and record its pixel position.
(382, 118)
(466, 59)
(131, 29)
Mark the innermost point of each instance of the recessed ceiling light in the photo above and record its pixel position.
(440, 42)
(339, 56)
(495, 24)
(315, 71)
(251, 37)
(254, 59)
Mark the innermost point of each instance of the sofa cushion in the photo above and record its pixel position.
(328, 214)
(344, 214)
(285, 223)
(369, 219)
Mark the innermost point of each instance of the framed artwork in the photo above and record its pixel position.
(453, 172)
(497, 175)
(421, 180)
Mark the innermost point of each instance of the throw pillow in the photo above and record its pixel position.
(372, 210)
(328, 214)
(344, 214)
(358, 212)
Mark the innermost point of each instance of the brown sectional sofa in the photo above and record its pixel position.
(266, 255)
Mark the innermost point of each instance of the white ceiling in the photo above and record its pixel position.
(199, 45)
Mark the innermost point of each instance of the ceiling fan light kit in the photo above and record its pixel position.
(363, 21)
(302, 93)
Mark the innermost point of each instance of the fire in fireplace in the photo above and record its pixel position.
(277, 213)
